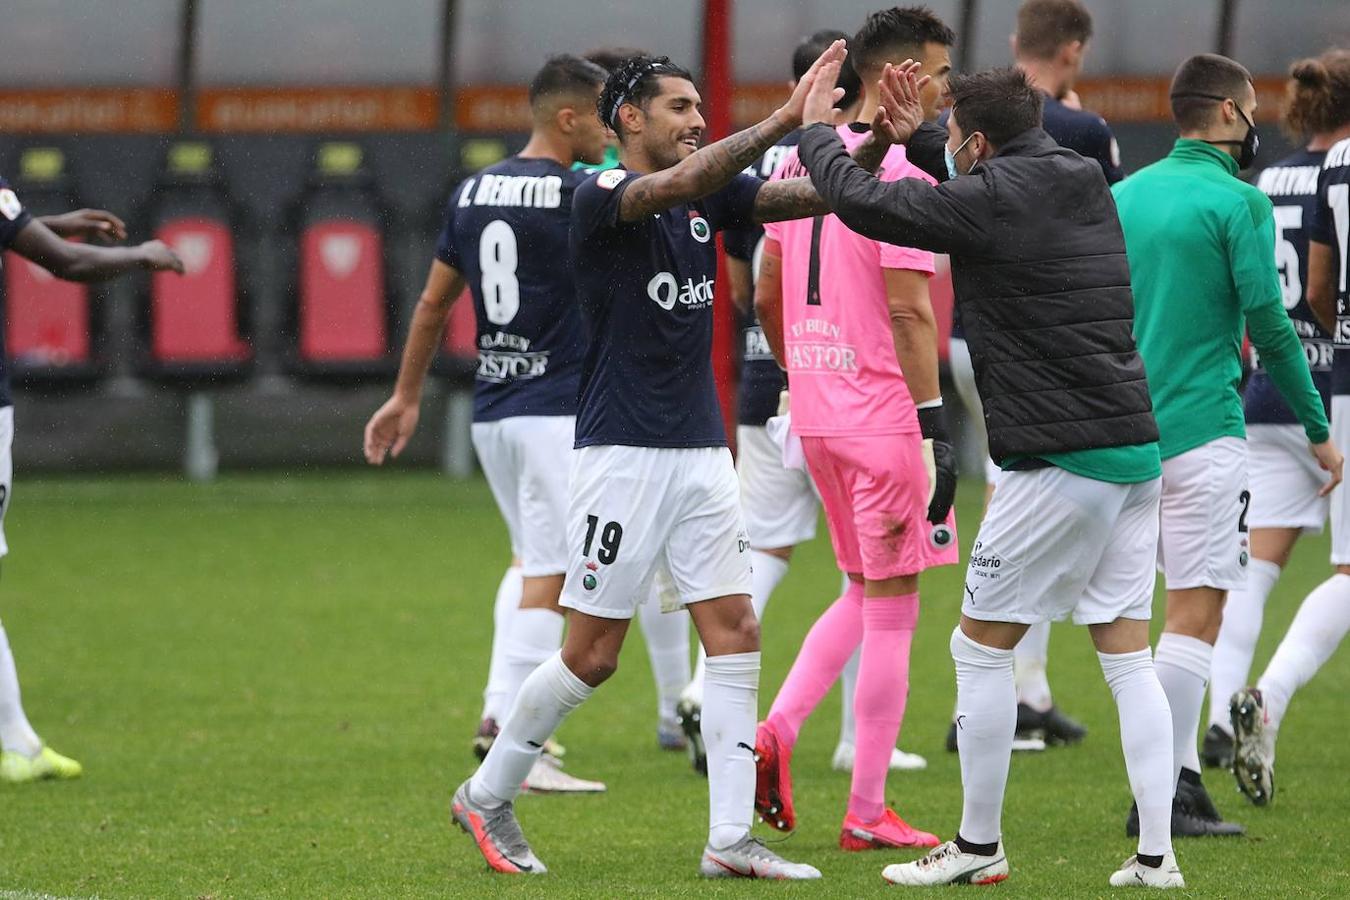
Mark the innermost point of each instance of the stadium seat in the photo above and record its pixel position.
(49, 322)
(343, 311)
(194, 319)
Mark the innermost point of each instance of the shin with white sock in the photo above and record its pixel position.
(1146, 739)
(548, 695)
(1182, 663)
(730, 708)
(495, 696)
(1233, 651)
(667, 637)
(1030, 657)
(986, 717)
(1322, 621)
(16, 735)
(536, 634)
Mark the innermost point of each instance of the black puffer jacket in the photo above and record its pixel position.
(1040, 277)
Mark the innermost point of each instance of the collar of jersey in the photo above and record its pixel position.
(1199, 151)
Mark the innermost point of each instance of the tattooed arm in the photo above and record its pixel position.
(712, 167)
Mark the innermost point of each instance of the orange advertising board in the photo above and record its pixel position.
(318, 109)
(88, 111)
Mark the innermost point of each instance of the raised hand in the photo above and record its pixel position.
(822, 97)
(900, 112)
(793, 110)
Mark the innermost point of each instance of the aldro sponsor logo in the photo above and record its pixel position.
(666, 291)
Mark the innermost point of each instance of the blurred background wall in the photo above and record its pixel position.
(298, 155)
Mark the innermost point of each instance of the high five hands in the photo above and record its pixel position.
(821, 77)
(900, 112)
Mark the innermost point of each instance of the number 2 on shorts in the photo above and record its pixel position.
(1245, 498)
(610, 538)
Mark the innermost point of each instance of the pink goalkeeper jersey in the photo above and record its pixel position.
(842, 371)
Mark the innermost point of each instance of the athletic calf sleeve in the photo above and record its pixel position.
(1030, 657)
(1182, 663)
(495, 695)
(1233, 651)
(1146, 739)
(536, 634)
(548, 695)
(730, 705)
(879, 701)
(1317, 630)
(986, 717)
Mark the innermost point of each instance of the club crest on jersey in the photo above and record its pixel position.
(10, 207)
(699, 228)
(610, 178)
(589, 582)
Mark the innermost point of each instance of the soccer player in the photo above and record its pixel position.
(652, 480)
(851, 320)
(1040, 274)
(1201, 246)
(1323, 619)
(24, 756)
(1285, 481)
(505, 232)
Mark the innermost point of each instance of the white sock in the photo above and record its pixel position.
(1236, 646)
(1029, 661)
(766, 571)
(667, 637)
(730, 709)
(986, 717)
(1317, 630)
(16, 735)
(544, 700)
(536, 634)
(693, 691)
(1146, 738)
(848, 681)
(495, 702)
(1182, 664)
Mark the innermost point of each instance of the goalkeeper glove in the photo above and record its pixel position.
(940, 460)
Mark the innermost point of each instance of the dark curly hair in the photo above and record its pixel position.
(637, 81)
(1317, 97)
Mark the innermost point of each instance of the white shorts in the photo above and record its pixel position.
(527, 461)
(1285, 479)
(635, 509)
(963, 377)
(1054, 543)
(780, 504)
(6, 469)
(1205, 510)
(1340, 498)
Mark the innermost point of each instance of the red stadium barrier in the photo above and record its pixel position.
(194, 317)
(342, 302)
(47, 319)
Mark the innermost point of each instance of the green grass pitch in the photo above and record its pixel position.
(272, 683)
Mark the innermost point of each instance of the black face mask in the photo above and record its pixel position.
(1251, 141)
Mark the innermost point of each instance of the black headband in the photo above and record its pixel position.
(621, 97)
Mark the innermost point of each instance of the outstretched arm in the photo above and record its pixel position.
(81, 262)
(769, 300)
(708, 169)
(89, 224)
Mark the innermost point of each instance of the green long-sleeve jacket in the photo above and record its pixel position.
(1201, 246)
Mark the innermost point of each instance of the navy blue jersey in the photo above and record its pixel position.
(1331, 225)
(1083, 132)
(506, 232)
(13, 219)
(1291, 184)
(761, 378)
(646, 295)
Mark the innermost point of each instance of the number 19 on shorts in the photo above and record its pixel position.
(611, 536)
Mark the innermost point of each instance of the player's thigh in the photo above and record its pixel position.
(1121, 586)
(546, 450)
(890, 505)
(1038, 545)
(708, 546)
(1340, 498)
(6, 469)
(833, 484)
(499, 458)
(1284, 479)
(1204, 514)
(780, 504)
(618, 522)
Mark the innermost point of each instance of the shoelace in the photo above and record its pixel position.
(946, 851)
(500, 823)
(754, 848)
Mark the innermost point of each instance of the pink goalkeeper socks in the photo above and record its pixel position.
(828, 646)
(879, 703)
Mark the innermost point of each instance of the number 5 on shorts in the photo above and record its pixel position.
(610, 538)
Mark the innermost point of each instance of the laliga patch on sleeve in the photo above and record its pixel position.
(10, 207)
(610, 178)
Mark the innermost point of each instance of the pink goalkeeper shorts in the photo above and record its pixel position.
(875, 492)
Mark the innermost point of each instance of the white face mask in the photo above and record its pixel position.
(950, 158)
